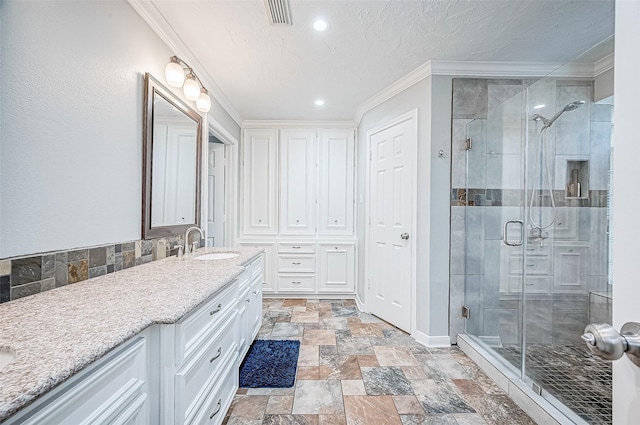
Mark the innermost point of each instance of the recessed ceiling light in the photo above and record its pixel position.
(539, 106)
(320, 25)
(319, 102)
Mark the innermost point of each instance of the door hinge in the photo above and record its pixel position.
(467, 144)
(370, 155)
(465, 312)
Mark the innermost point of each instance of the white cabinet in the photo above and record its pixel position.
(297, 182)
(260, 182)
(268, 268)
(184, 373)
(250, 305)
(337, 268)
(112, 390)
(315, 185)
(336, 163)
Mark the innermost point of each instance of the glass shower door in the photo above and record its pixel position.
(566, 244)
(495, 211)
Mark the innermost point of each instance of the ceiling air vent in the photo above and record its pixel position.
(279, 12)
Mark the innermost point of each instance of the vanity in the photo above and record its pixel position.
(160, 343)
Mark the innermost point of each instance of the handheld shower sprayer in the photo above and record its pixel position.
(537, 228)
(567, 108)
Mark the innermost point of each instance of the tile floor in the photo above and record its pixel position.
(571, 374)
(358, 370)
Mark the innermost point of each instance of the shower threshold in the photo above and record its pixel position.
(539, 408)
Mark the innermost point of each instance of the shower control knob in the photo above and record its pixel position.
(605, 342)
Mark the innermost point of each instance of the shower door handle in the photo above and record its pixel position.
(505, 232)
(605, 342)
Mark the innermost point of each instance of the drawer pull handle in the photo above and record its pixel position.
(255, 292)
(296, 283)
(218, 354)
(296, 247)
(248, 300)
(217, 310)
(296, 264)
(217, 410)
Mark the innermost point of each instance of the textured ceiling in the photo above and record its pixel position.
(272, 72)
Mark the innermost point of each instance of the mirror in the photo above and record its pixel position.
(172, 152)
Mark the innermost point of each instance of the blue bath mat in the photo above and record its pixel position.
(270, 364)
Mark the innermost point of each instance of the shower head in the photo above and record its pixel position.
(573, 106)
(567, 108)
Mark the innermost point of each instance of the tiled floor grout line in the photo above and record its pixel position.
(355, 369)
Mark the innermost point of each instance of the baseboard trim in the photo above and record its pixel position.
(361, 306)
(309, 296)
(431, 341)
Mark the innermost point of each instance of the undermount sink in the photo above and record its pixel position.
(6, 357)
(217, 256)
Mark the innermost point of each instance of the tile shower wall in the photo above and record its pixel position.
(24, 276)
(487, 190)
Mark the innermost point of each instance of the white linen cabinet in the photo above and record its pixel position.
(260, 182)
(336, 183)
(297, 182)
(310, 243)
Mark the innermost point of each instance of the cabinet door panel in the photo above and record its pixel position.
(260, 182)
(269, 265)
(297, 180)
(337, 268)
(335, 203)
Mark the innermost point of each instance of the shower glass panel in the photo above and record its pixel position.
(530, 176)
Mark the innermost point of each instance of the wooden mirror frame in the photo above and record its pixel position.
(152, 88)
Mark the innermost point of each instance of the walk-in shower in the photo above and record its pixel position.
(530, 233)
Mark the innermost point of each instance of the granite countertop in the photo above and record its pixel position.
(59, 332)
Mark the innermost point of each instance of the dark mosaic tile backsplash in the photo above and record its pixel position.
(24, 276)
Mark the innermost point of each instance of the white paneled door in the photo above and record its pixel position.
(216, 211)
(391, 194)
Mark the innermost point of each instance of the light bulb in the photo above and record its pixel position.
(320, 25)
(191, 88)
(319, 102)
(204, 101)
(174, 73)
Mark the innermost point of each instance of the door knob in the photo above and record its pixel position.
(404, 236)
(605, 342)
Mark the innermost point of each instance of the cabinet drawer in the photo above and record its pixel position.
(296, 283)
(114, 389)
(297, 248)
(192, 379)
(244, 279)
(218, 400)
(257, 267)
(296, 264)
(193, 328)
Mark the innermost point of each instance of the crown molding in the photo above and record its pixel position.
(486, 70)
(603, 65)
(297, 124)
(152, 16)
(415, 76)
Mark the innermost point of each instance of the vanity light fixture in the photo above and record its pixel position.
(319, 102)
(191, 84)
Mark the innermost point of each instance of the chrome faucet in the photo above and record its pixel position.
(186, 238)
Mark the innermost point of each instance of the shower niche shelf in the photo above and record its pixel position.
(577, 179)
